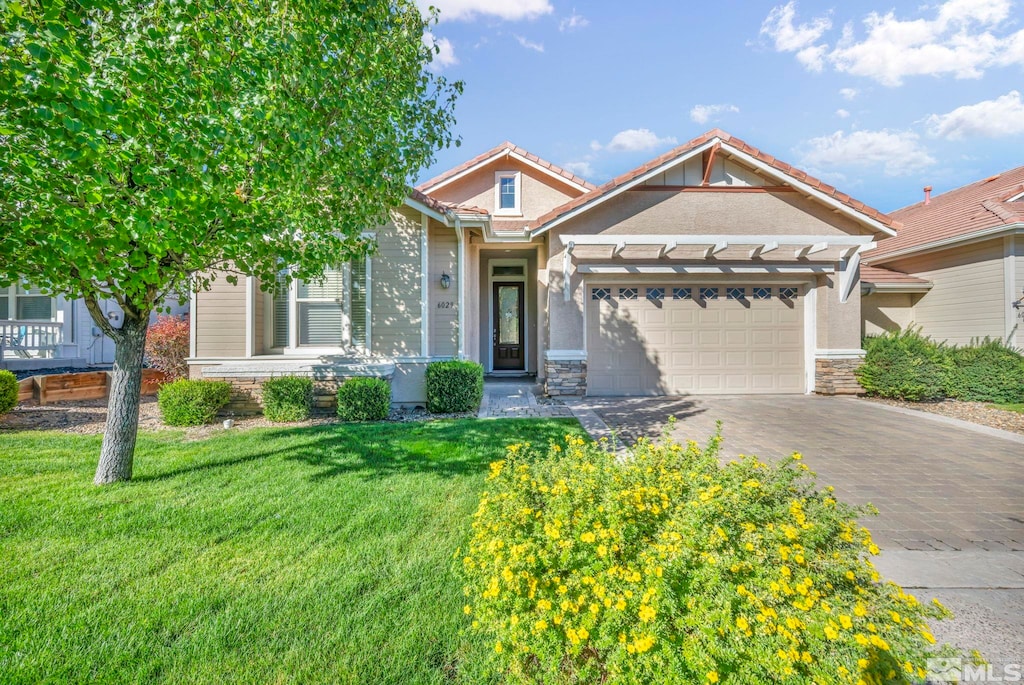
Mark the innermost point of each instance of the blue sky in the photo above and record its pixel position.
(878, 98)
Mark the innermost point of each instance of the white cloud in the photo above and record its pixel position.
(704, 113)
(444, 55)
(529, 45)
(780, 26)
(848, 93)
(633, 140)
(580, 168)
(899, 153)
(962, 39)
(1003, 116)
(842, 113)
(573, 21)
(468, 10)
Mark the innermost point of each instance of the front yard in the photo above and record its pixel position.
(318, 554)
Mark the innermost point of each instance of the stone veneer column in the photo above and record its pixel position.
(835, 376)
(564, 376)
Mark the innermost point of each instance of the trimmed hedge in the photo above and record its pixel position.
(192, 402)
(364, 399)
(988, 371)
(455, 386)
(903, 365)
(8, 391)
(287, 398)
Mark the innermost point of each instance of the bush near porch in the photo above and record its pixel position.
(454, 387)
(907, 365)
(662, 566)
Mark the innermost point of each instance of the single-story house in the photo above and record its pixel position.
(714, 268)
(38, 331)
(956, 269)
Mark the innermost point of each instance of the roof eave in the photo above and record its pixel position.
(945, 243)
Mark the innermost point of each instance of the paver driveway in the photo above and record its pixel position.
(936, 486)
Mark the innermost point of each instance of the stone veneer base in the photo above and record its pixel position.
(565, 377)
(836, 376)
(247, 395)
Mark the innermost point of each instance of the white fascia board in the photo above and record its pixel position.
(812, 192)
(423, 209)
(502, 154)
(643, 178)
(704, 269)
(966, 239)
(815, 241)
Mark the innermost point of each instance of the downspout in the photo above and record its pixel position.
(566, 263)
(460, 235)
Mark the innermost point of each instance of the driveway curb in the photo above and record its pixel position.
(949, 421)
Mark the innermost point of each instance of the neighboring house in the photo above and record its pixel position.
(40, 332)
(714, 268)
(956, 269)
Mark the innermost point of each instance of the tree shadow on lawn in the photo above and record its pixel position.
(445, 449)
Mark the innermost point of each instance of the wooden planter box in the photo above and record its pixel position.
(90, 385)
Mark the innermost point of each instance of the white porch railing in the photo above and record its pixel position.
(30, 339)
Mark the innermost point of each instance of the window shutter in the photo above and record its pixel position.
(282, 308)
(359, 314)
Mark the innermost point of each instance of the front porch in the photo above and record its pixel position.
(28, 345)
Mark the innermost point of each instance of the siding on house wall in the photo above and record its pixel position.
(540, 192)
(966, 300)
(396, 286)
(258, 319)
(1018, 291)
(883, 312)
(220, 319)
(444, 304)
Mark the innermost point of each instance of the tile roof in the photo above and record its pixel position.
(511, 147)
(443, 207)
(735, 143)
(878, 275)
(974, 207)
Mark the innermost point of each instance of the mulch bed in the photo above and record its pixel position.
(89, 417)
(976, 412)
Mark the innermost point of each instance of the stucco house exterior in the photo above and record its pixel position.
(956, 269)
(714, 268)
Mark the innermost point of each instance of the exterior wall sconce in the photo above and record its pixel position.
(446, 281)
(1019, 303)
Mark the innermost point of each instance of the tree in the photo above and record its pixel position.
(145, 142)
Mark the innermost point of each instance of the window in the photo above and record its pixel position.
(627, 293)
(682, 294)
(762, 293)
(25, 303)
(332, 312)
(508, 191)
(655, 294)
(735, 293)
(600, 294)
(787, 293)
(709, 293)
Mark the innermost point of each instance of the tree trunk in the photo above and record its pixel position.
(123, 404)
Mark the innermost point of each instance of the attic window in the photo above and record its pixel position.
(508, 193)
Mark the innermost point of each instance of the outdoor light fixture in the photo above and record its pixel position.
(446, 281)
(1019, 303)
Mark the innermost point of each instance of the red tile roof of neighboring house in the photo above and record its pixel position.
(974, 207)
(878, 275)
(736, 143)
(511, 147)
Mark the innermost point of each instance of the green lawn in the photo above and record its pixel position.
(1010, 407)
(314, 555)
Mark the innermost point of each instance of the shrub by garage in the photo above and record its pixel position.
(987, 371)
(903, 365)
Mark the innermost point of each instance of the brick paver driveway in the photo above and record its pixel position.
(936, 486)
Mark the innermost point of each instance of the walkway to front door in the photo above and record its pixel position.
(517, 398)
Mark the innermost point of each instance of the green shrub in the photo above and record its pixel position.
(903, 365)
(364, 399)
(662, 566)
(8, 391)
(455, 386)
(287, 398)
(192, 402)
(988, 371)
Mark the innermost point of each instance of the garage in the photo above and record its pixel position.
(694, 338)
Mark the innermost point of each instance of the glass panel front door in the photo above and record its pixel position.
(509, 329)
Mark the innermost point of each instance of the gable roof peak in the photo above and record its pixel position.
(506, 147)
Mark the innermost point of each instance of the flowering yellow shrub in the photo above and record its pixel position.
(661, 566)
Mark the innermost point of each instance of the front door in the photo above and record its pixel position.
(509, 329)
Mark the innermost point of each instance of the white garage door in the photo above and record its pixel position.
(694, 339)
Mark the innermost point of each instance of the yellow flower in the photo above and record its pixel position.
(647, 613)
(741, 623)
(713, 677)
(544, 605)
(497, 647)
(467, 609)
(540, 625)
(588, 537)
(845, 621)
(582, 632)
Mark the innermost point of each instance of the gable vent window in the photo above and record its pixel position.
(655, 294)
(682, 294)
(762, 293)
(331, 313)
(627, 293)
(709, 293)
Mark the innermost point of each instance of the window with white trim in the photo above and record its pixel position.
(327, 313)
(508, 188)
(25, 303)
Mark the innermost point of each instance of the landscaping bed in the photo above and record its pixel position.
(315, 555)
(983, 413)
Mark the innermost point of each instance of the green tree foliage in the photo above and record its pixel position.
(143, 143)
